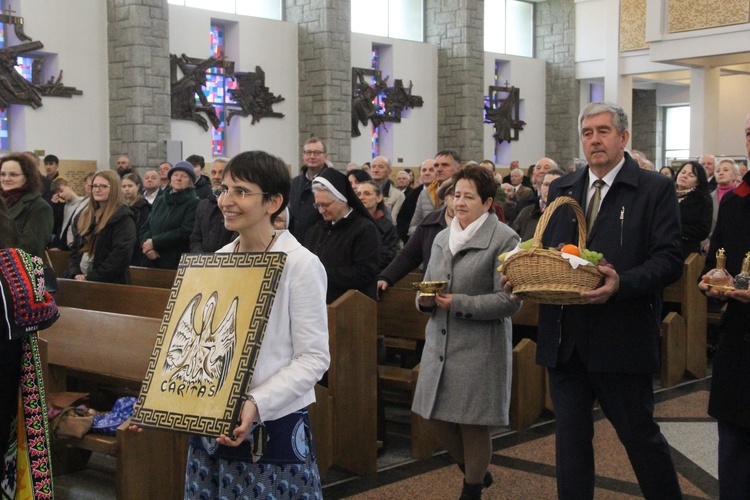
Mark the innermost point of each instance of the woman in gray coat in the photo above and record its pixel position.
(465, 374)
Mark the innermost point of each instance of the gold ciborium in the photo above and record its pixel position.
(429, 288)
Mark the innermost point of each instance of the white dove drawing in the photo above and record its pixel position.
(202, 356)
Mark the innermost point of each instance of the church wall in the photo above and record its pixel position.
(415, 138)
(249, 42)
(74, 128)
(529, 75)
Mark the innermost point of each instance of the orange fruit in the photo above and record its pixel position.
(571, 249)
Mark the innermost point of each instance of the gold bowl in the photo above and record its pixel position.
(429, 288)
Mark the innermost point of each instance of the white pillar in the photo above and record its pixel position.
(617, 88)
(704, 111)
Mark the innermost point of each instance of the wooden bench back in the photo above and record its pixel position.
(109, 344)
(59, 260)
(397, 312)
(109, 297)
(352, 381)
(693, 308)
(152, 277)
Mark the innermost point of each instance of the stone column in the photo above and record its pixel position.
(554, 29)
(457, 28)
(325, 75)
(643, 124)
(139, 85)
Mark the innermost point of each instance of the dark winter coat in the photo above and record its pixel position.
(113, 249)
(302, 214)
(169, 226)
(417, 250)
(209, 233)
(638, 231)
(350, 252)
(730, 380)
(389, 239)
(203, 187)
(34, 222)
(696, 212)
(141, 210)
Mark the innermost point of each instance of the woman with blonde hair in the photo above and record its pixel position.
(105, 234)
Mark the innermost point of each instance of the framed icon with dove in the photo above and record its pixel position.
(208, 342)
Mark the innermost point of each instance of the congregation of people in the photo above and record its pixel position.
(367, 226)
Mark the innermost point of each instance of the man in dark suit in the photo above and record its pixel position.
(608, 349)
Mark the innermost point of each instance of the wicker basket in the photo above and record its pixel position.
(545, 276)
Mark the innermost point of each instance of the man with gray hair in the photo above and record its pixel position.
(209, 233)
(608, 349)
(392, 197)
(708, 162)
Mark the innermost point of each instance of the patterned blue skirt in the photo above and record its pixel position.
(286, 469)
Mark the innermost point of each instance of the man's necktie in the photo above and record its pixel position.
(593, 208)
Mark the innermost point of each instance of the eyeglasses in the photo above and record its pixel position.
(313, 153)
(12, 175)
(103, 187)
(324, 206)
(236, 193)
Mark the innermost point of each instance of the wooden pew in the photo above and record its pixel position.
(527, 397)
(123, 299)
(116, 347)
(693, 309)
(403, 328)
(352, 381)
(152, 277)
(344, 419)
(673, 349)
(59, 260)
(398, 318)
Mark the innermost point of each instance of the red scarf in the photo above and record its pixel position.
(12, 196)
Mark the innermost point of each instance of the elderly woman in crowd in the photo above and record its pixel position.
(347, 240)
(166, 234)
(293, 357)
(464, 383)
(695, 206)
(371, 196)
(21, 393)
(726, 173)
(104, 234)
(21, 185)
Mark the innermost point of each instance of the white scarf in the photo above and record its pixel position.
(458, 237)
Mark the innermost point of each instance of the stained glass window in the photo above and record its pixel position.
(216, 91)
(3, 113)
(378, 102)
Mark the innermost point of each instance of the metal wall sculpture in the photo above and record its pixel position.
(190, 85)
(254, 98)
(14, 88)
(503, 111)
(395, 99)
